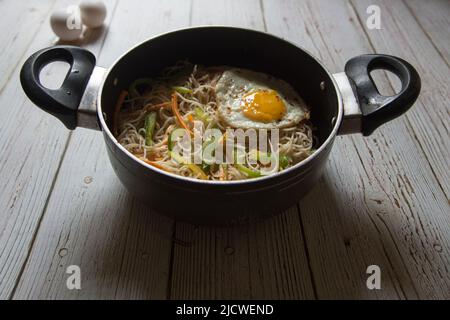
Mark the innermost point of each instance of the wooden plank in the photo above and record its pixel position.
(20, 22)
(434, 18)
(229, 13)
(27, 181)
(257, 260)
(378, 205)
(92, 222)
(25, 193)
(429, 127)
(261, 259)
(338, 271)
(427, 117)
(122, 248)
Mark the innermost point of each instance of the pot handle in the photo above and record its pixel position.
(377, 109)
(63, 103)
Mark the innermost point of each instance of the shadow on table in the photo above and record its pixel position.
(320, 249)
(345, 234)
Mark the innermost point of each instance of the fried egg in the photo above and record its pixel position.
(253, 100)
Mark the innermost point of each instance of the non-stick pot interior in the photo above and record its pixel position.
(233, 47)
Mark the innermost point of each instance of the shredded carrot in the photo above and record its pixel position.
(156, 164)
(177, 113)
(119, 104)
(190, 118)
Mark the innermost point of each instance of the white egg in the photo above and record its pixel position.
(66, 23)
(93, 13)
(248, 99)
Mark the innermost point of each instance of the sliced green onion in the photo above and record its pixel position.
(182, 90)
(150, 121)
(169, 142)
(177, 157)
(247, 171)
(284, 161)
(201, 115)
(206, 167)
(198, 171)
(213, 124)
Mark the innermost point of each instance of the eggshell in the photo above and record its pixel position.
(93, 13)
(66, 23)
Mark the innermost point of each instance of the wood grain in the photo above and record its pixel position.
(428, 117)
(91, 222)
(374, 203)
(427, 121)
(26, 181)
(28, 136)
(383, 199)
(19, 24)
(260, 259)
(434, 18)
(122, 248)
(53, 136)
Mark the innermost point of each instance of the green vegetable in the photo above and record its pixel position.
(201, 115)
(284, 161)
(213, 124)
(182, 90)
(193, 167)
(247, 171)
(177, 157)
(251, 173)
(205, 167)
(169, 142)
(150, 121)
(137, 83)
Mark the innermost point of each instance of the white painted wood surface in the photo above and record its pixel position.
(434, 18)
(21, 20)
(124, 250)
(25, 133)
(223, 262)
(383, 200)
(378, 190)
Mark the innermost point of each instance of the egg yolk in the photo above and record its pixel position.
(263, 106)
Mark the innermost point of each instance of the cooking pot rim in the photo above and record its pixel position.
(297, 166)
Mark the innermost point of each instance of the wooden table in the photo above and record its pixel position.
(383, 200)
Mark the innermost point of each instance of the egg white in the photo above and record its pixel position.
(234, 84)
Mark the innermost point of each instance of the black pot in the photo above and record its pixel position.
(342, 103)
